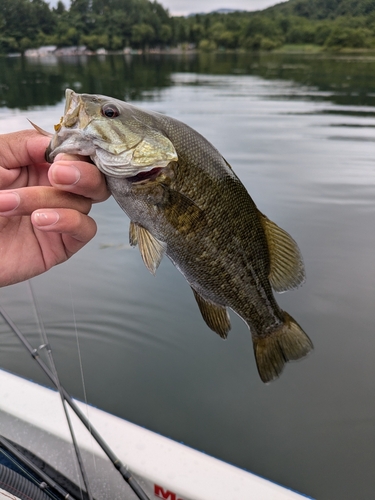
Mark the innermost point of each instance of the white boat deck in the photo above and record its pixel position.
(31, 415)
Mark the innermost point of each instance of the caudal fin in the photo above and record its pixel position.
(288, 343)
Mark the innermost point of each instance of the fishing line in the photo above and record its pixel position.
(81, 370)
(46, 345)
(126, 474)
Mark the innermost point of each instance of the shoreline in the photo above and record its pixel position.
(307, 49)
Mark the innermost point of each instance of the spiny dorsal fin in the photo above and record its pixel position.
(228, 165)
(286, 265)
(152, 250)
(216, 317)
(40, 130)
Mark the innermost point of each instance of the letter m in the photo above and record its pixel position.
(161, 493)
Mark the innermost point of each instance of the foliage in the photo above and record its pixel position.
(144, 24)
(325, 9)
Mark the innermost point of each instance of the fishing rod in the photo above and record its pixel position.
(125, 473)
(52, 364)
(7, 445)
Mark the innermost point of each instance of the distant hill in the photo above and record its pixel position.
(324, 9)
(217, 11)
(226, 11)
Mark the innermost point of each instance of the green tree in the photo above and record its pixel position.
(207, 45)
(142, 35)
(80, 7)
(261, 25)
(349, 37)
(42, 18)
(166, 34)
(301, 32)
(60, 8)
(322, 32)
(114, 24)
(8, 44)
(228, 39)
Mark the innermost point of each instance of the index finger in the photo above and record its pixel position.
(72, 173)
(19, 149)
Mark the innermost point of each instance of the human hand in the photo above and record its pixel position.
(43, 207)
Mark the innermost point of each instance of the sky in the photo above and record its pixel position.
(184, 7)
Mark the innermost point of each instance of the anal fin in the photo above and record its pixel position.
(216, 317)
(133, 234)
(152, 250)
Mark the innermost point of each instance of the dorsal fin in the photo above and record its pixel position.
(152, 250)
(287, 270)
(216, 317)
(40, 130)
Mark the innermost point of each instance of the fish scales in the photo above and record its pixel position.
(227, 251)
(184, 200)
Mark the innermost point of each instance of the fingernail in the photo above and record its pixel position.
(9, 202)
(66, 175)
(66, 157)
(44, 219)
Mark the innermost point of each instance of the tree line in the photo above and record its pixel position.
(144, 24)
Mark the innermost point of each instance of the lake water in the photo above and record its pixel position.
(299, 132)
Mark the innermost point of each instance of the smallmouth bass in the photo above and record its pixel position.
(184, 201)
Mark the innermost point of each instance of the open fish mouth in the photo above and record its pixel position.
(149, 175)
(74, 112)
(70, 98)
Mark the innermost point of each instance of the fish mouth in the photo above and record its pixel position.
(71, 125)
(70, 95)
(75, 114)
(126, 148)
(149, 175)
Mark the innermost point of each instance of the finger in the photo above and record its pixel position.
(71, 173)
(76, 228)
(22, 148)
(8, 177)
(24, 201)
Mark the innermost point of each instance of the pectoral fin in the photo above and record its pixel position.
(216, 317)
(286, 265)
(182, 213)
(152, 250)
(174, 207)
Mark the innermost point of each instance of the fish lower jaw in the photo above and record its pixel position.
(70, 142)
(129, 172)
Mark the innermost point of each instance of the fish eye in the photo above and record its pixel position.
(110, 111)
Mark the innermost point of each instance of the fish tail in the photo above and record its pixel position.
(288, 343)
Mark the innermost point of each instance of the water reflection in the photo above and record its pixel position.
(304, 151)
(30, 82)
